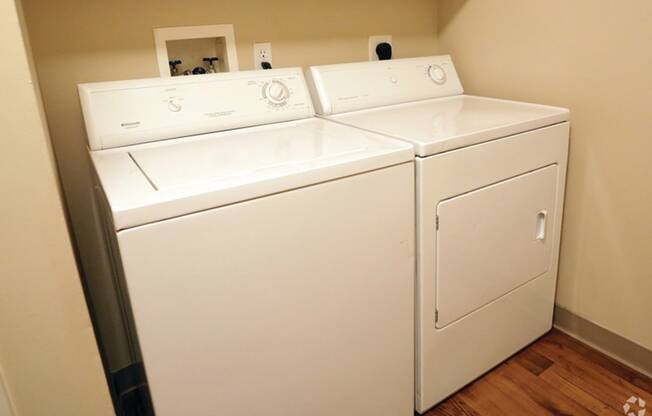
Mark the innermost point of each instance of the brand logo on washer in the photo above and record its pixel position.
(634, 406)
(130, 125)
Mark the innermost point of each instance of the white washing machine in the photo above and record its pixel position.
(268, 255)
(490, 192)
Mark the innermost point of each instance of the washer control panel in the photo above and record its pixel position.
(128, 112)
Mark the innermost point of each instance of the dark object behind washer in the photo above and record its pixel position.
(384, 51)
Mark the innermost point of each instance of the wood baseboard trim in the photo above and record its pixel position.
(605, 341)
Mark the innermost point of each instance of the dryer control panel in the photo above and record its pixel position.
(123, 113)
(348, 87)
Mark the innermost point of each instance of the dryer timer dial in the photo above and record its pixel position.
(437, 74)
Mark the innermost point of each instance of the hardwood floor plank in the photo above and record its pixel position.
(585, 399)
(621, 370)
(453, 406)
(612, 394)
(487, 400)
(542, 392)
(571, 360)
(532, 361)
(499, 378)
(556, 375)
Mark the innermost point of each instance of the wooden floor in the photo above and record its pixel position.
(557, 375)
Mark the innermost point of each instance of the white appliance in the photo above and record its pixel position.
(268, 255)
(490, 189)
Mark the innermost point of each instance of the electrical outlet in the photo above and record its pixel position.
(374, 41)
(262, 53)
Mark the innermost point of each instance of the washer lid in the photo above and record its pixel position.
(443, 124)
(151, 182)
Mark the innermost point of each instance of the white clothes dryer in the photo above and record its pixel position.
(490, 192)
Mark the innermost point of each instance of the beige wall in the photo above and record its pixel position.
(81, 41)
(48, 357)
(595, 58)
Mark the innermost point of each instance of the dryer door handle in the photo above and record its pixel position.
(542, 217)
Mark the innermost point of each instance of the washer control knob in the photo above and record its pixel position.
(277, 93)
(174, 105)
(437, 74)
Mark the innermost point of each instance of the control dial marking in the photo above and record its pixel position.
(174, 105)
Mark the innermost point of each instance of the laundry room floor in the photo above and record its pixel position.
(556, 375)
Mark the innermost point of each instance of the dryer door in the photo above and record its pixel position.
(493, 240)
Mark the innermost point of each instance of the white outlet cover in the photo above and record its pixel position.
(374, 41)
(262, 53)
